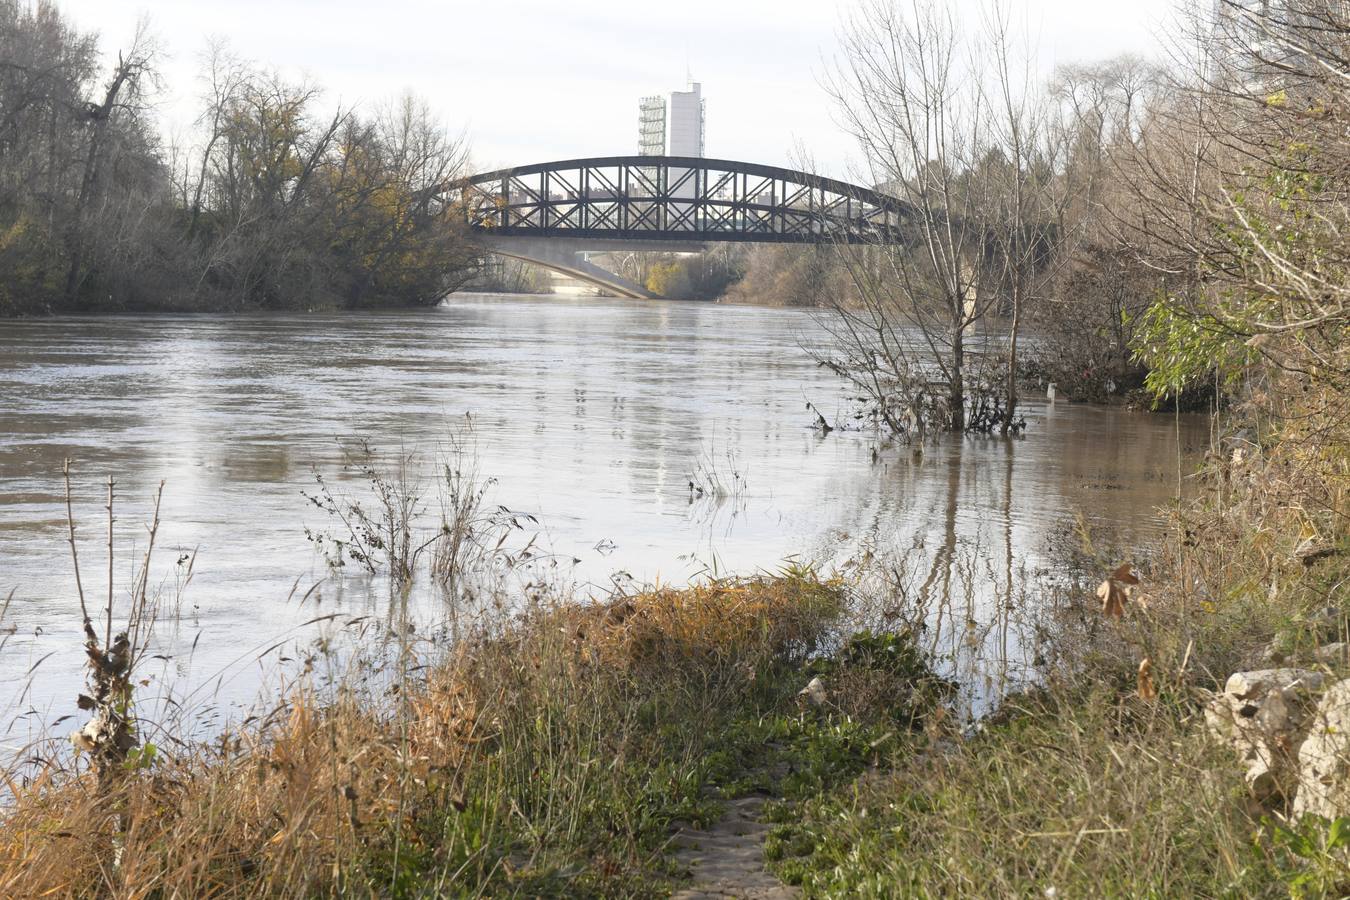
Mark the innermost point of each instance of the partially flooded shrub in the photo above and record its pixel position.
(883, 676)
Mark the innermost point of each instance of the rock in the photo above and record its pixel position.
(814, 692)
(1311, 549)
(1272, 654)
(1333, 654)
(1256, 685)
(1264, 715)
(1324, 757)
(1278, 653)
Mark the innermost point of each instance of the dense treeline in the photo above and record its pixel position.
(1136, 215)
(278, 203)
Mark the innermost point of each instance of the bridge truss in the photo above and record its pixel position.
(671, 198)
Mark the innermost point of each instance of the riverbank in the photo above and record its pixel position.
(551, 753)
(558, 750)
(1113, 776)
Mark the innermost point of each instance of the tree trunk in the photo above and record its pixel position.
(956, 396)
(1012, 364)
(99, 115)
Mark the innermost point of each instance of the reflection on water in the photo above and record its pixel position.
(594, 415)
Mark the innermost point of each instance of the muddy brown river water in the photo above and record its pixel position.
(593, 415)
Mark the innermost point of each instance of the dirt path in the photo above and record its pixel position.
(727, 860)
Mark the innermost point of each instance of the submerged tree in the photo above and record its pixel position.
(950, 123)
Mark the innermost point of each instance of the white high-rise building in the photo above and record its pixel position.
(684, 122)
(672, 125)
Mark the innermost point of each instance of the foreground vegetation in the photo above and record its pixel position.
(550, 753)
(553, 749)
(1100, 782)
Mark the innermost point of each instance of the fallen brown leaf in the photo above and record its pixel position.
(1124, 575)
(1112, 596)
(1147, 689)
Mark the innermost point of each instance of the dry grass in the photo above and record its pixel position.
(548, 754)
(1094, 797)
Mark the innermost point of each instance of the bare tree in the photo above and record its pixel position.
(121, 96)
(1026, 181)
(225, 76)
(947, 117)
(1100, 283)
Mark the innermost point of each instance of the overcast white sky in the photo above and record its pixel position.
(534, 80)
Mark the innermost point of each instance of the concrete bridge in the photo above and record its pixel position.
(555, 213)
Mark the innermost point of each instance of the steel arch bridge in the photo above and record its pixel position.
(677, 198)
(552, 212)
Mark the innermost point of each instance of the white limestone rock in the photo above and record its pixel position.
(1264, 715)
(1336, 654)
(814, 693)
(1324, 757)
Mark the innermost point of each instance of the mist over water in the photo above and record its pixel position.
(593, 415)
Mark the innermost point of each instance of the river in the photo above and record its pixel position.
(594, 416)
